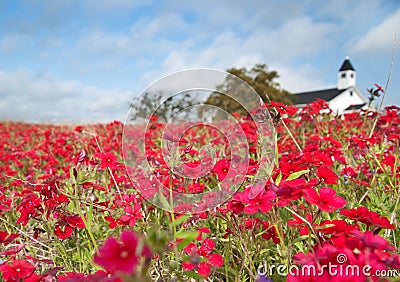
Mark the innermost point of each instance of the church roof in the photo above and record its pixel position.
(346, 65)
(311, 96)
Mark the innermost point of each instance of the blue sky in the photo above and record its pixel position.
(83, 61)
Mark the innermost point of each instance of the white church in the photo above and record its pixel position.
(344, 98)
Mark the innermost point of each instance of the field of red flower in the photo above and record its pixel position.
(328, 212)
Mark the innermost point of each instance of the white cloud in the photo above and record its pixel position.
(97, 43)
(40, 97)
(301, 78)
(164, 25)
(278, 48)
(12, 42)
(380, 38)
(299, 37)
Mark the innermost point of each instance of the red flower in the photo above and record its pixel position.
(29, 208)
(79, 128)
(379, 88)
(326, 199)
(113, 223)
(316, 107)
(6, 238)
(349, 172)
(290, 190)
(336, 227)
(13, 251)
(359, 213)
(235, 205)
(201, 232)
(132, 214)
(263, 201)
(68, 223)
(284, 109)
(63, 233)
(19, 269)
(221, 168)
(107, 160)
(372, 241)
(318, 158)
(370, 218)
(299, 223)
(81, 157)
(326, 175)
(75, 221)
(121, 255)
(203, 268)
(270, 232)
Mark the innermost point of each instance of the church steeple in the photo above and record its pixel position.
(346, 75)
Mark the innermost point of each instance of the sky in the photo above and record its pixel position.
(84, 61)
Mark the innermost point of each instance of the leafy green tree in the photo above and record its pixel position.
(260, 79)
(159, 105)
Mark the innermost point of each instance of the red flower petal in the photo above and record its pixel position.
(206, 247)
(215, 260)
(188, 266)
(204, 269)
(191, 249)
(63, 234)
(13, 251)
(18, 269)
(6, 238)
(121, 255)
(75, 221)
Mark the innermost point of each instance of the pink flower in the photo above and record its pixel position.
(132, 214)
(121, 255)
(325, 200)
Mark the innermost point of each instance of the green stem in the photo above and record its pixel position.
(171, 203)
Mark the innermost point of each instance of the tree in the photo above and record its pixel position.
(260, 79)
(160, 105)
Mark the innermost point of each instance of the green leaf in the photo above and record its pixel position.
(324, 226)
(71, 206)
(194, 275)
(297, 174)
(164, 202)
(186, 234)
(179, 220)
(300, 239)
(188, 237)
(278, 179)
